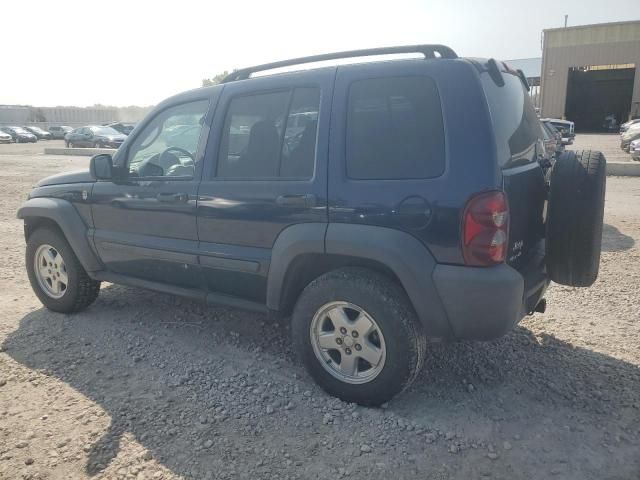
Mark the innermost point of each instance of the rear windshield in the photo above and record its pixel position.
(516, 126)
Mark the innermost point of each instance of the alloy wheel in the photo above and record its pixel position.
(50, 271)
(348, 342)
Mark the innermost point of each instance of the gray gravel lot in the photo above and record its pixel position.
(144, 385)
(607, 143)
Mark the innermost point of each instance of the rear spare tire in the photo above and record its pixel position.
(574, 218)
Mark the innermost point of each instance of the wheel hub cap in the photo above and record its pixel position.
(348, 342)
(50, 271)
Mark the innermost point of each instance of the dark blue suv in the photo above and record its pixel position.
(379, 204)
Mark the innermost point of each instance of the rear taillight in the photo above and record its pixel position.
(485, 229)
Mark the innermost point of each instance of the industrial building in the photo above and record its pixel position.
(591, 74)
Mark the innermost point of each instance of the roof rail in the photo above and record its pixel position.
(429, 51)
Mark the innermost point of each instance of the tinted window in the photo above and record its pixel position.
(270, 135)
(394, 129)
(167, 145)
(515, 123)
(299, 148)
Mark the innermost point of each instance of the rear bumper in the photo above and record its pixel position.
(485, 303)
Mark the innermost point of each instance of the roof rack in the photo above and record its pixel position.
(429, 51)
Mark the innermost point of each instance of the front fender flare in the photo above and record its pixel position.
(69, 221)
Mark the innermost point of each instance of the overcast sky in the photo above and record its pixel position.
(134, 52)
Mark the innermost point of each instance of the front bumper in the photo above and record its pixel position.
(485, 303)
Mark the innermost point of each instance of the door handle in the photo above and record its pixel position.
(173, 197)
(300, 201)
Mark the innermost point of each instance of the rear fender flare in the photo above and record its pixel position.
(406, 257)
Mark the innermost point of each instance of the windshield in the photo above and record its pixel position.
(19, 130)
(104, 131)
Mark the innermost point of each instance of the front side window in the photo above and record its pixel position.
(167, 145)
(394, 129)
(270, 135)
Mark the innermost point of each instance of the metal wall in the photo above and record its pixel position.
(45, 117)
(603, 44)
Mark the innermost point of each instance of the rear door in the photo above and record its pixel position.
(266, 170)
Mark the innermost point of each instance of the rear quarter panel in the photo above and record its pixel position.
(431, 208)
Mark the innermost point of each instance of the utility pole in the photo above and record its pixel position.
(565, 20)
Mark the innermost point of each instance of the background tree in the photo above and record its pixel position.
(215, 80)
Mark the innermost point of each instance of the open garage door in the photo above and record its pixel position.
(597, 92)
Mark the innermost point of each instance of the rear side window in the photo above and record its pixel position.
(394, 129)
(270, 135)
(515, 123)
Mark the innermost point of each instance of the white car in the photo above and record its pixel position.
(625, 126)
(5, 137)
(565, 127)
(634, 149)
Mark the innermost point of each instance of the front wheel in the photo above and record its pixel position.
(358, 335)
(56, 275)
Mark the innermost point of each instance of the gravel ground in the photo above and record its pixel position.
(144, 385)
(607, 143)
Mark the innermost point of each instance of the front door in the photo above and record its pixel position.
(145, 221)
(264, 173)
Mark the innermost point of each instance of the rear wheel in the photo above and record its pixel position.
(574, 219)
(56, 275)
(358, 335)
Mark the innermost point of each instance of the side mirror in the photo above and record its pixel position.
(101, 167)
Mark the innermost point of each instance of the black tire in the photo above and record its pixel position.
(387, 303)
(574, 219)
(81, 290)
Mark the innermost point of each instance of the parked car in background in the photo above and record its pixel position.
(565, 127)
(632, 133)
(94, 136)
(634, 150)
(59, 131)
(5, 137)
(20, 135)
(39, 133)
(625, 126)
(552, 139)
(124, 128)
